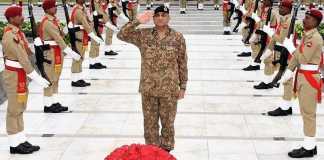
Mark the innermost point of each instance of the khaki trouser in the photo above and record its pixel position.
(132, 13)
(255, 50)
(155, 109)
(216, 2)
(15, 109)
(288, 90)
(226, 18)
(77, 65)
(200, 1)
(307, 97)
(183, 3)
(109, 36)
(54, 76)
(94, 49)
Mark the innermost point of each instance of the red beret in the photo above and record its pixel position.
(316, 14)
(286, 3)
(13, 11)
(48, 4)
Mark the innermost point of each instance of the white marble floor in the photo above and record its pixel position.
(219, 119)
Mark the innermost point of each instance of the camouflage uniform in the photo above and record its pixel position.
(163, 72)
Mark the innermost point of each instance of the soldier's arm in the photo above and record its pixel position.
(55, 34)
(14, 47)
(130, 34)
(182, 63)
(293, 63)
(81, 18)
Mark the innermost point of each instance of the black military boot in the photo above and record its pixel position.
(262, 85)
(52, 109)
(21, 149)
(34, 148)
(303, 153)
(97, 66)
(280, 112)
(62, 108)
(182, 12)
(252, 68)
(227, 33)
(111, 53)
(244, 54)
(80, 83)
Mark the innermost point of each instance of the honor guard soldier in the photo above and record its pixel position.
(17, 68)
(269, 30)
(164, 73)
(306, 60)
(111, 26)
(94, 48)
(79, 19)
(50, 33)
(226, 15)
(285, 107)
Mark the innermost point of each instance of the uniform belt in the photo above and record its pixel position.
(51, 43)
(80, 26)
(13, 64)
(308, 67)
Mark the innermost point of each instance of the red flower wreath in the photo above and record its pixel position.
(139, 152)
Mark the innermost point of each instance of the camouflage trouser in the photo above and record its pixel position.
(216, 2)
(165, 109)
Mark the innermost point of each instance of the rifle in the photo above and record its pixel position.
(239, 15)
(111, 14)
(71, 29)
(284, 53)
(251, 23)
(39, 50)
(124, 7)
(96, 18)
(263, 38)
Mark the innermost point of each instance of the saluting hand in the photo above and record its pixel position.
(145, 17)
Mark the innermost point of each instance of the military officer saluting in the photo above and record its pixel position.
(79, 19)
(51, 34)
(17, 68)
(164, 73)
(306, 61)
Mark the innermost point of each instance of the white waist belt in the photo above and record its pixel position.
(14, 64)
(80, 26)
(51, 43)
(308, 67)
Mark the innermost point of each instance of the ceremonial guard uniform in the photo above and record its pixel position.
(285, 107)
(50, 33)
(306, 60)
(163, 76)
(79, 19)
(17, 68)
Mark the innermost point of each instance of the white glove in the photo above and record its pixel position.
(235, 2)
(93, 36)
(266, 54)
(123, 17)
(288, 43)
(270, 32)
(112, 27)
(243, 10)
(38, 79)
(287, 75)
(242, 25)
(253, 38)
(38, 42)
(71, 53)
(256, 17)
